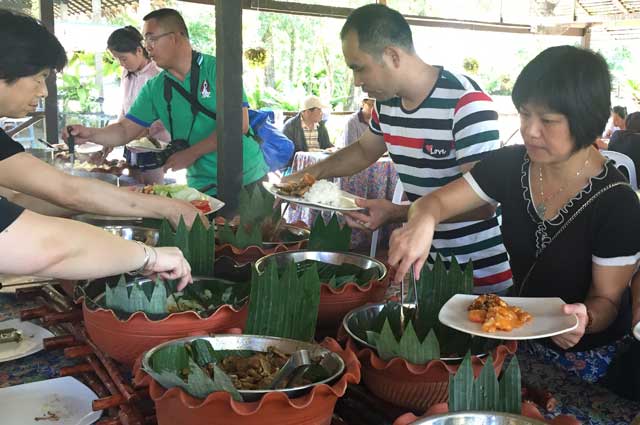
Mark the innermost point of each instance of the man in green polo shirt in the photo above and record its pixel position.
(167, 41)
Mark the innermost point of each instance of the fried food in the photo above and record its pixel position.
(297, 188)
(496, 315)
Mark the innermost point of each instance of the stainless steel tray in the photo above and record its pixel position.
(328, 257)
(332, 362)
(477, 418)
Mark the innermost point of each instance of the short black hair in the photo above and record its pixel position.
(621, 111)
(170, 18)
(633, 122)
(572, 81)
(32, 47)
(378, 26)
(126, 40)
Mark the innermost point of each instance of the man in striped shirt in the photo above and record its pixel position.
(435, 125)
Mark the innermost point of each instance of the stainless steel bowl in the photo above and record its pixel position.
(299, 234)
(145, 235)
(362, 317)
(328, 257)
(329, 360)
(108, 220)
(477, 418)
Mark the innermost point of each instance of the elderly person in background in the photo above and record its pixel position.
(616, 122)
(358, 123)
(34, 244)
(628, 141)
(568, 214)
(307, 130)
(125, 44)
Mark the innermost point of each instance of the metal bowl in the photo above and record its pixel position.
(145, 235)
(108, 220)
(328, 257)
(359, 320)
(477, 418)
(329, 360)
(298, 235)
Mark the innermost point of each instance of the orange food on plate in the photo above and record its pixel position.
(496, 315)
(203, 205)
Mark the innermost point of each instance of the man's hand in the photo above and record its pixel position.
(379, 212)
(180, 160)
(569, 339)
(81, 133)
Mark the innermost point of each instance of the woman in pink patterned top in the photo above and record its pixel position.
(125, 44)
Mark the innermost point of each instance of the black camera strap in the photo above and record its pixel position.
(192, 97)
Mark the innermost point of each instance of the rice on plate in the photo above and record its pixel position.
(326, 193)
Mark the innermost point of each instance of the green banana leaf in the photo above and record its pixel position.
(284, 305)
(329, 237)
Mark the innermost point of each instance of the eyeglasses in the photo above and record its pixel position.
(150, 40)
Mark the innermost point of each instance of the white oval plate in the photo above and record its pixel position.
(636, 331)
(32, 336)
(347, 199)
(548, 318)
(66, 398)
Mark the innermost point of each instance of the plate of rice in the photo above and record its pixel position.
(321, 195)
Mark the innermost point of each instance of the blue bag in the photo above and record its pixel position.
(276, 147)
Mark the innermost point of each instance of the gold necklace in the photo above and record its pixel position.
(541, 207)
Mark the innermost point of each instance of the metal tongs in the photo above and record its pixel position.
(293, 369)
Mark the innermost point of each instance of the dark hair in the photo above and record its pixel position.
(126, 40)
(169, 18)
(378, 27)
(32, 47)
(633, 122)
(621, 111)
(571, 81)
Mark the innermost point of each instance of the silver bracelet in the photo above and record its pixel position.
(147, 257)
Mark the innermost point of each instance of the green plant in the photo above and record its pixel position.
(471, 65)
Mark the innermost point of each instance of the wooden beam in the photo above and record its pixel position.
(317, 10)
(621, 7)
(229, 102)
(51, 102)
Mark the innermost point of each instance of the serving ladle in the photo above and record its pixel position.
(295, 367)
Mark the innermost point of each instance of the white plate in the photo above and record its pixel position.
(32, 336)
(548, 318)
(67, 398)
(636, 331)
(348, 200)
(88, 148)
(215, 204)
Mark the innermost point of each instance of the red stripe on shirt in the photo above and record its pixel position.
(493, 279)
(407, 142)
(472, 97)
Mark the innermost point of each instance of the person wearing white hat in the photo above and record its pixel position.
(307, 129)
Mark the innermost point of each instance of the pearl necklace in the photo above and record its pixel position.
(541, 207)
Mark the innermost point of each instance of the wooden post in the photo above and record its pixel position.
(229, 102)
(51, 102)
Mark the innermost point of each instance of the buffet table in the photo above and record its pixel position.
(589, 403)
(376, 182)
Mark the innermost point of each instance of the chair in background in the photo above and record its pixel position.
(623, 161)
(397, 199)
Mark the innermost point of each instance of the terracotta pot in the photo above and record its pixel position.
(528, 409)
(124, 341)
(252, 253)
(416, 387)
(336, 303)
(174, 406)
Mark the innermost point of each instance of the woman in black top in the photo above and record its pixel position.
(570, 222)
(34, 244)
(628, 141)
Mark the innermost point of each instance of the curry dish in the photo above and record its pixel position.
(496, 315)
